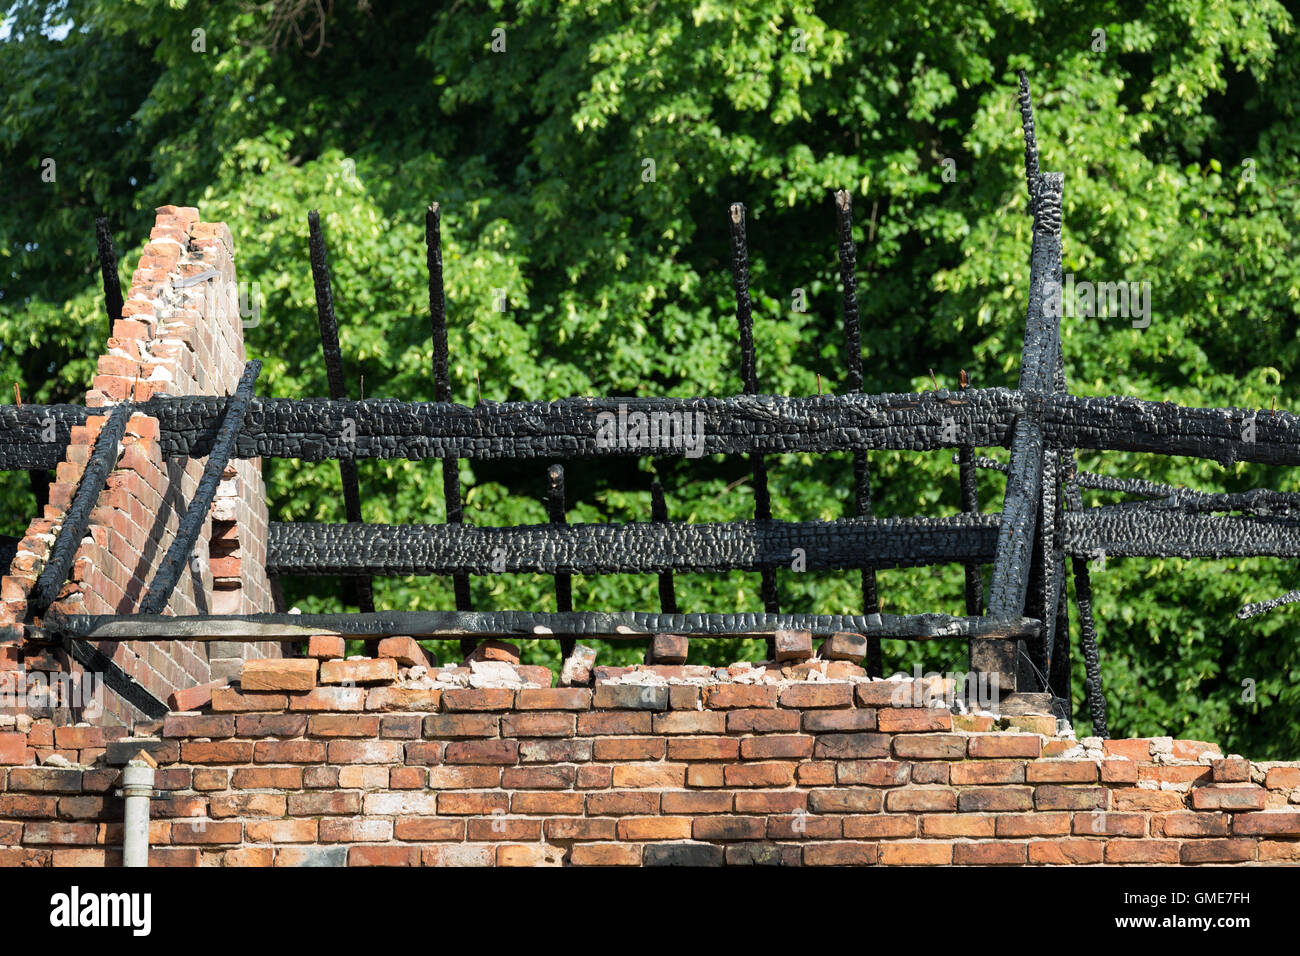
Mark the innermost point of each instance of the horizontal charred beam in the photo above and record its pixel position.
(1148, 533)
(639, 548)
(628, 625)
(317, 429)
(33, 437)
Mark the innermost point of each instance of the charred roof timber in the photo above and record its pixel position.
(1022, 635)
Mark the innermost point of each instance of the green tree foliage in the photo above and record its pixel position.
(1174, 123)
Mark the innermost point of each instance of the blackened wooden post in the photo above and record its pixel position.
(970, 504)
(749, 377)
(853, 358)
(442, 391)
(659, 515)
(77, 518)
(329, 342)
(200, 506)
(108, 270)
(563, 582)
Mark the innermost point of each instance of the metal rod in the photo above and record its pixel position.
(329, 341)
(200, 506)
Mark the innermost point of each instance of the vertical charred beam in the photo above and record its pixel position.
(1020, 512)
(563, 582)
(853, 360)
(970, 503)
(77, 520)
(200, 506)
(442, 390)
(329, 343)
(659, 515)
(1087, 626)
(1032, 173)
(749, 378)
(108, 270)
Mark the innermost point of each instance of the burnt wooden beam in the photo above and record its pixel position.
(659, 515)
(329, 342)
(563, 580)
(1171, 534)
(34, 437)
(200, 507)
(108, 273)
(968, 477)
(635, 548)
(77, 519)
(433, 625)
(749, 382)
(848, 256)
(1011, 568)
(311, 429)
(442, 387)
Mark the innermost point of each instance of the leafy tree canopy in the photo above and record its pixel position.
(1173, 121)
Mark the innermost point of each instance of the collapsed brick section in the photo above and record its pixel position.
(795, 773)
(172, 339)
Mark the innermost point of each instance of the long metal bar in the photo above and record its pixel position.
(200, 507)
(77, 519)
(329, 341)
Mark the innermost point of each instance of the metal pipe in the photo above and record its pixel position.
(137, 789)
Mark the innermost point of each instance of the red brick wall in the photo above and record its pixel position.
(170, 341)
(811, 774)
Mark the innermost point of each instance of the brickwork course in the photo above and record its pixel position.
(296, 755)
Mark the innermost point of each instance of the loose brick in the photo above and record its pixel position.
(921, 800)
(278, 674)
(762, 721)
(1066, 852)
(916, 854)
(851, 746)
(776, 747)
(631, 697)
(505, 752)
(736, 696)
(554, 698)
(1218, 851)
(326, 647)
(377, 670)
(999, 853)
(337, 699)
(1061, 771)
(1269, 823)
(1142, 851)
(1005, 745)
(233, 700)
(478, 699)
(845, 800)
(640, 829)
(841, 854)
(1228, 797)
(405, 650)
(605, 854)
(816, 694)
(905, 720)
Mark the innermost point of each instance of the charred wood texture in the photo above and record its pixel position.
(640, 548)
